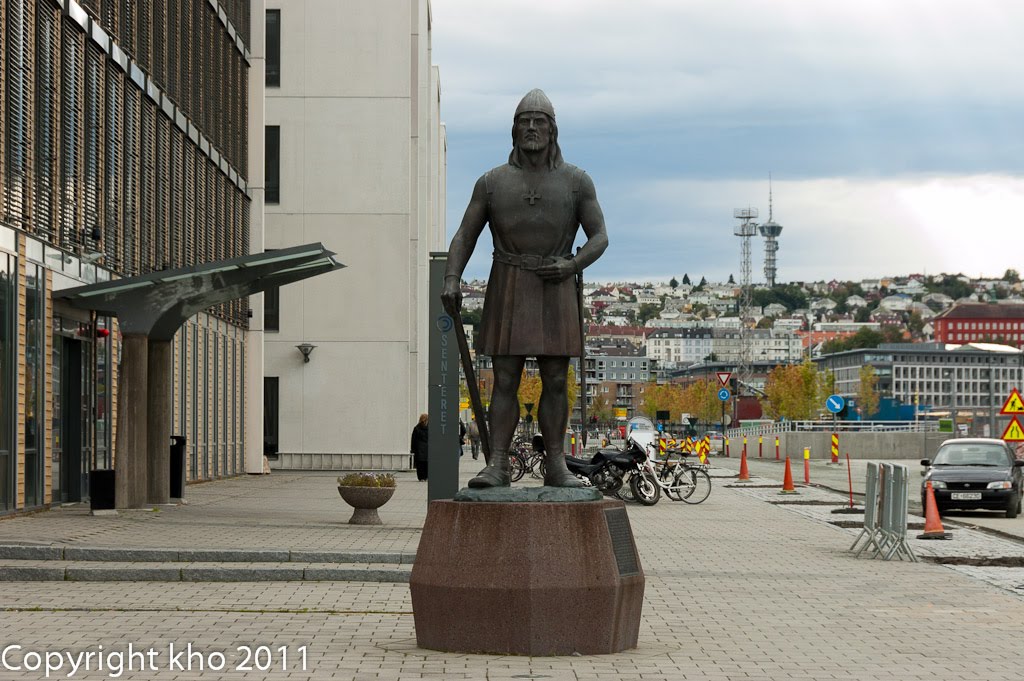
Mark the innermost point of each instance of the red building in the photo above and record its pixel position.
(981, 322)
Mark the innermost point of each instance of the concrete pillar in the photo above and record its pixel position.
(130, 463)
(158, 418)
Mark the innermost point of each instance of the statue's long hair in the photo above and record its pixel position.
(554, 152)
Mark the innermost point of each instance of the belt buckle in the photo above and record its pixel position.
(531, 262)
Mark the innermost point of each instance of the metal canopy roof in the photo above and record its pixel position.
(158, 303)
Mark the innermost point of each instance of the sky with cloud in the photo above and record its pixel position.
(893, 130)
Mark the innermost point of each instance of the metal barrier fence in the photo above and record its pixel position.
(885, 513)
(920, 426)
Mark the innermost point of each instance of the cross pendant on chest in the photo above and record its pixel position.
(532, 196)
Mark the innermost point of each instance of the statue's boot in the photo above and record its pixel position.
(556, 474)
(496, 474)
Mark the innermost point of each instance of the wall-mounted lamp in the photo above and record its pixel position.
(306, 349)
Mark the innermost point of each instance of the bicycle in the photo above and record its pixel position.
(525, 457)
(680, 479)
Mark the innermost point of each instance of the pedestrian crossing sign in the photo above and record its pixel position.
(1014, 432)
(1014, 404)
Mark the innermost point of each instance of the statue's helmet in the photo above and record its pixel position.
(535, 100)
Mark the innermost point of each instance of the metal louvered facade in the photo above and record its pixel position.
(123, 129)
(119, 118)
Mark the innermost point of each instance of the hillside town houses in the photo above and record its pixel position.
(643, 332)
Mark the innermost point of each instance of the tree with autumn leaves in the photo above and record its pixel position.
(699, 399)
(796, 392)
(867, 392)
(530, 387)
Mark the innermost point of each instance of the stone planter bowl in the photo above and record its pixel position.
(365, 501)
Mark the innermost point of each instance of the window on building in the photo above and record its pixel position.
(273, 48)
(272, 170)
(272, 309)
(270, 416)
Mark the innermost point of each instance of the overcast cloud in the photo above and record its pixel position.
(892, 128)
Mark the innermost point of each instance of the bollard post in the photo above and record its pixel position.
(835, 448)
(807, 465)
(776, 447)
(760, 445)
(849, 477)
(727, 448)
(572, 442)
(744, 446)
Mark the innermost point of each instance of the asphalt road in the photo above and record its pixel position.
(836, 477)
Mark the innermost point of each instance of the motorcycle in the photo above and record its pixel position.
(609, 468)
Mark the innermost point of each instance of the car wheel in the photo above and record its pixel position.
(1013, 507)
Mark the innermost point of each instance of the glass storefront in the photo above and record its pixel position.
(35, 416)
(8, 410)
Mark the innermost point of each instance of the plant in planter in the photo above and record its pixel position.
(366, 492)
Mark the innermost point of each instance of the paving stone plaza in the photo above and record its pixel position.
(739, 587)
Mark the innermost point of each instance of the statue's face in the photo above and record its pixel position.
(533, 131)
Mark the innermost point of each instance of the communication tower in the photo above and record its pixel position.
(745, 230)
(770, 231)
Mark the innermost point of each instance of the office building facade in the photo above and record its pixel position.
(124, 136)
(355, 160)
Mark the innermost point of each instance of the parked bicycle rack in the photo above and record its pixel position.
(885, 513)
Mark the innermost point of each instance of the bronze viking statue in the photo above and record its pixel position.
(534, 205)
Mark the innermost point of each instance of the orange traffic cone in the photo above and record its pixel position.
(744, 472)
(787, 481)
(932, 522)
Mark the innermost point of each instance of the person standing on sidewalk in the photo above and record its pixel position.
(418, 447)
(474, 438)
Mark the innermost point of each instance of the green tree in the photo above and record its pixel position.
(867, 392)
(1011, 276)
(791, 296)
(864, 338)
(647, 311)
(686, 280)
(673, 282)
(915, 324)
(951, 285)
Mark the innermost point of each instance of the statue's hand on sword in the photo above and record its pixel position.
(451, 295)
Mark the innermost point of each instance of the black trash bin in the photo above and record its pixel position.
(177, 466)
(101, 489)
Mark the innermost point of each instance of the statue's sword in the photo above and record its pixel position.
(583, 358)
(471, 384)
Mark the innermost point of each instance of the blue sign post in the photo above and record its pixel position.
(723, 394)
(835, 403)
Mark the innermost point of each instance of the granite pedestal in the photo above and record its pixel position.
(527, 577)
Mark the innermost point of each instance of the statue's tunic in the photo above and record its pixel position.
(533, 217)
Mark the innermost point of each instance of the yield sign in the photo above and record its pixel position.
(724, 376)
(1014, 404)
(1014, 432)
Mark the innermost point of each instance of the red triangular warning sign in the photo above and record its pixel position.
(1014, 404)
(1014, 432)
(724, 376)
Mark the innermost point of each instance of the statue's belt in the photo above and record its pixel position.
(526, 262)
